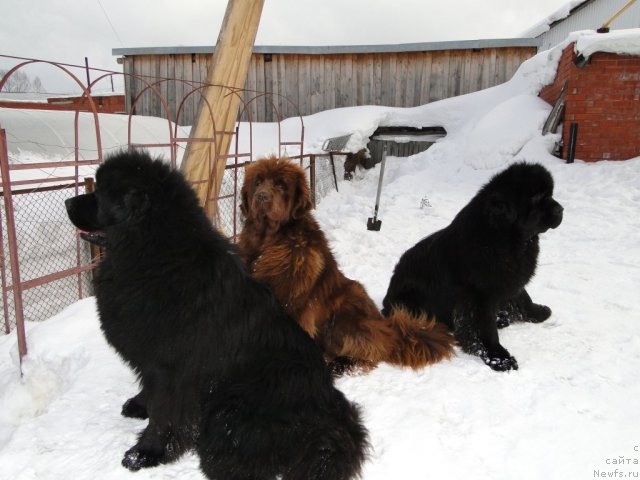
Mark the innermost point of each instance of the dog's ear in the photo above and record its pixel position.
(500, 210)
(302, 200)
(244, 201)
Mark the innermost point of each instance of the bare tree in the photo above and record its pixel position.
(19, 82)
(37, 85)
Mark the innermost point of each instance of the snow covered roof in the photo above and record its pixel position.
(31, 97)
(51, 133)
(624, 42)
(343, 49)
(560, 14)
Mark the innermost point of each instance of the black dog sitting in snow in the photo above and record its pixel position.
(222, 368)
(474, 271)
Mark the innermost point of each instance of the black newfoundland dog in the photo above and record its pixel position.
(222, 368)
(471, 275)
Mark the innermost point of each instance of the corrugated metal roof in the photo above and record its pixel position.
(344, 49)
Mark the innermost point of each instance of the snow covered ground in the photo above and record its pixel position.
(570, 411)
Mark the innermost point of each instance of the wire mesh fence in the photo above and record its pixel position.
(46, 245)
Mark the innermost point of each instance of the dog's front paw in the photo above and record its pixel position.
(135, 459)
(538, 313)
(499, 359)
(502, 319)
(501, 364)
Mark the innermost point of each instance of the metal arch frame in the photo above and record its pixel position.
(17, 286)
(279, 118)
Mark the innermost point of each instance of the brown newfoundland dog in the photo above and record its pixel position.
(285, 248)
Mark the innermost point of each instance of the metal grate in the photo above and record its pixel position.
(336, 144)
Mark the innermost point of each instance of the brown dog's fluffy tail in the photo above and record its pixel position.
(420, 341)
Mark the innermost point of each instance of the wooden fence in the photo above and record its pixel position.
(312, 79)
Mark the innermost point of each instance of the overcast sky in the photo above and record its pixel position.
(70, 30)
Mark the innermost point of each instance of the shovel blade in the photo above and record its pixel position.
(373, 224)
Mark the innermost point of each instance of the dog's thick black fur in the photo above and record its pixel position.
(222, 368)
(471, 275)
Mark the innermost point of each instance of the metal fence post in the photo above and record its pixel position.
(13, 244)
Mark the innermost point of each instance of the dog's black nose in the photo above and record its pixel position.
(68, 203)
(263, 196)
(558, 209)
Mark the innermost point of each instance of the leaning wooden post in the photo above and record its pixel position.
(218, 110)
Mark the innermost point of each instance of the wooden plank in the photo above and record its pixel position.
(268, 114)
(274, 66)
(191, 91)
(399, 79)
(291, 85)
(417, 61)
(436, 80)
(171, 97)
(155, 106)
(281, 87)
(249, 107)
(162, 74)
(456, 65)
(250, 84)
(146, 96)
(501, 67)
(129, 84)
(259, 103)
(304, 85)
(378, 81)
(179, 76)
(465, 70)
(451, 79)
(204, 62)
(329, 83)
(353, 84)
(475, 75)
(187, 68)
(229, 67)
(409, 80)
(358, 77)
(339, 68)
(487, 69)
(346, 83)
(468, 83)
(388, 81)
(317, 74)
(426, 78)
(510, 66)
(446, 68)
(142, 83)
(368, 81)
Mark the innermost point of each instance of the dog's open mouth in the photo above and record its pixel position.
(96, 238)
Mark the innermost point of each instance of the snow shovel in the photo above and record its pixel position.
(372, 222)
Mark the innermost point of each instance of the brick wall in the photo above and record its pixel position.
(603, 98)
(103, 103)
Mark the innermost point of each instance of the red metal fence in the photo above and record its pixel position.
(43, 264)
